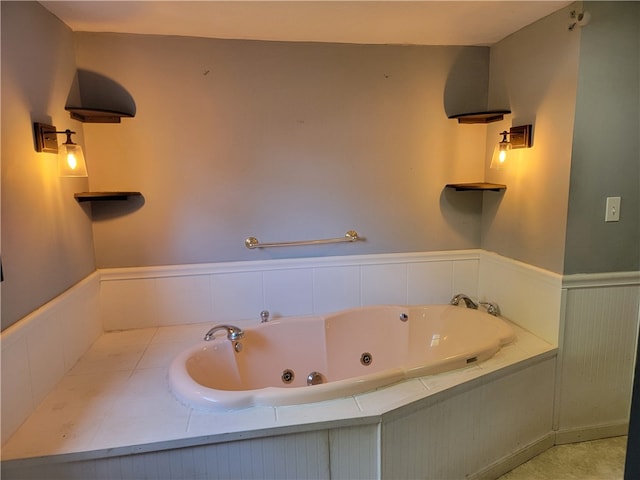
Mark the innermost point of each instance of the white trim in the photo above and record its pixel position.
(16, 330)
(589, 280)
(533, 272)
(585, 434)
(515, 459)
(128, 273)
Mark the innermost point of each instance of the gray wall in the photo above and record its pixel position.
(283, 141)
(534, 72)
(294, 141)
(47, 241)
(606, 143)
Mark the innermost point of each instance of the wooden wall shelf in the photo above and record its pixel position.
(481, 117)
(481, 186)
(105, 196)
(94, 115)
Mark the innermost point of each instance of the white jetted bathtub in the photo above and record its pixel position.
(297, 360)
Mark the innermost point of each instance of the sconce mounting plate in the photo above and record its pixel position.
(46, 139)
(520, 137)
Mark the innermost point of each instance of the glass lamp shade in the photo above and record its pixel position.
(71, 161)
(500, 153)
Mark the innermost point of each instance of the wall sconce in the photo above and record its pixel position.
(519, 137)
(70, 157)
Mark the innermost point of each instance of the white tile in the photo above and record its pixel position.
(443, 381)
(130, 430)
(128, 304)
(101, 360)
(143, 386)
(236, 296)
(70, 430)
(345, 407)
(46, 358)
(80, 323)
(17, 400)
(125, 338)
(335, 288)
(145, 411)
(392, 396)
(89, 391)
(288, 292)
(69, 417)
(162, 354)
(183, 300)
(465, 277)
(181, 333)
(384, 284)
(429, 282)
(212, 422)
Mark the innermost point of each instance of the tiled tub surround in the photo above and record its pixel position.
(33, 360)
(37, 351)
(113, 416)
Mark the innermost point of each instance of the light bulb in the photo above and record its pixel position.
(499, 158)
(71, 161)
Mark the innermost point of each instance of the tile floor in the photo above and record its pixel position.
(594, 460)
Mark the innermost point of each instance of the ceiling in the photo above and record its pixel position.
(361, 21)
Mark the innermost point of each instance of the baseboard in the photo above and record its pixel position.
(515, 459)
(585, 434)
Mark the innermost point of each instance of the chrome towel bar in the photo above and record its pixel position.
(350, 236)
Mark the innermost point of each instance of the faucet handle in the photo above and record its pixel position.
(492, 308)
(264, 316)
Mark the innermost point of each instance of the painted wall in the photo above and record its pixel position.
(534, 73)
(47, 243)
(283, 141)
(606, 144)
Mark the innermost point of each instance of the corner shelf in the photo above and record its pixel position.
(481, 117)
(96, 115)
(105, 196)
(481, 186)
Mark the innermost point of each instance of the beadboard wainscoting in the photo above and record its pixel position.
(39, 349)
(599, 331)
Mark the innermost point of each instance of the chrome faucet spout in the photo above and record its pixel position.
(467, 301)
(233, 333)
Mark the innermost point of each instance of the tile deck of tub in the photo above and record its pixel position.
(117, 400)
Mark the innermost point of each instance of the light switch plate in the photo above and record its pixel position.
(613, 209)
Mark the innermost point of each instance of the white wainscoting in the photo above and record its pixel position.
(239, 291)
(527, 295)
(39, 349)
(476, 433)
(599, 331)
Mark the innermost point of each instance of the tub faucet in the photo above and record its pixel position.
(467, 301)
(264, 316)
(233, 333)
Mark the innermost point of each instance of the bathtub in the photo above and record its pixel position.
(348, 352)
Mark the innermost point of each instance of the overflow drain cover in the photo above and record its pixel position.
(366, 358)
(288, 376)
